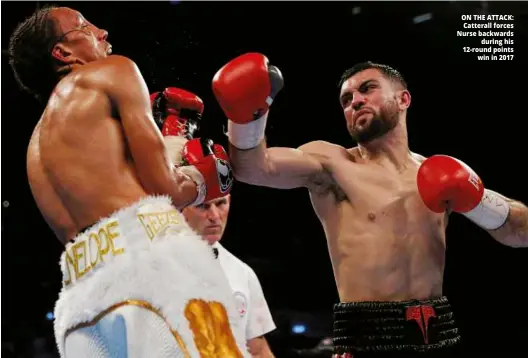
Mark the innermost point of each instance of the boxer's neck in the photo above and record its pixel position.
(393, 147)
(65, 70)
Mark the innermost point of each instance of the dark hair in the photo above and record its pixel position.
(30, 53)
(388, 71)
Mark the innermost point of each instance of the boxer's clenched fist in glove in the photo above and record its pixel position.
(208, 165)
(245, 88)
(176, 112)
(447, 183)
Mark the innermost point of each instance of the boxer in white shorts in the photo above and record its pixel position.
(104, 181)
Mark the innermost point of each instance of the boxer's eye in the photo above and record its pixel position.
(367, 87)
(345, 101)
(86, 29)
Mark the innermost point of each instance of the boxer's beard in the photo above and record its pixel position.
(380, 124)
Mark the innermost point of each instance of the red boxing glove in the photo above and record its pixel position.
(245, 88)
(208, 165)
(444, 181)
(176, 111)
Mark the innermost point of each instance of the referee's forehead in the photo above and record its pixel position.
(224, 199)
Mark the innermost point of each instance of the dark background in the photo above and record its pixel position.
(473, 110)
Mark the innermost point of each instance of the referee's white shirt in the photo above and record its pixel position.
(251, 303)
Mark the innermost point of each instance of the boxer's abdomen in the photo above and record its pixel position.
(384, 243)
(391, 252)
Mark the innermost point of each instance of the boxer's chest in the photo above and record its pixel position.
(379, 193)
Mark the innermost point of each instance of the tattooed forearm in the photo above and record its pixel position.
(514, 232)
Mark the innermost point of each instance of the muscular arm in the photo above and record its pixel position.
(514, 232)
(258, 348)
(281, 168)
(128, 91)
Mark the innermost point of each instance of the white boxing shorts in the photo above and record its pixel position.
(141, 283)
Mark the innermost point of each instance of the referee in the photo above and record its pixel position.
(209, 220)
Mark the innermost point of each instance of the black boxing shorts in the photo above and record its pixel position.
(395, 329)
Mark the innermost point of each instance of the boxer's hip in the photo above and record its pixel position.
(145, 261)
(126, 330)
(394, 328)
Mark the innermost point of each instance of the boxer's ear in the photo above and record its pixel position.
(404, 99)
(63, 54)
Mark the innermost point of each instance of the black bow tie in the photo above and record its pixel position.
(215, 252)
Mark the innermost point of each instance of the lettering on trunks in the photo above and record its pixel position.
(212, 334)
(91, 250)
(153, 223)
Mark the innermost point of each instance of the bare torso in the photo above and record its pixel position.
(78, 166)
(383, 241)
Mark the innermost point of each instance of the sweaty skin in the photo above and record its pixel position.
(384, 243)
(96, 149)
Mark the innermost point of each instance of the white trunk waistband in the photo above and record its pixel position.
(130, 229)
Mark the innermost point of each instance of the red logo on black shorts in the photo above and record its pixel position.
(421, 314)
